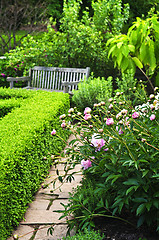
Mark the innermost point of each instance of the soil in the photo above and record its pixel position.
(117, 230)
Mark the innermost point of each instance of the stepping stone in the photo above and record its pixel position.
(42, 217)
(25, 231)
(59, 232)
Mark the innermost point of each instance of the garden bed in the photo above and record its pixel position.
(117, 230)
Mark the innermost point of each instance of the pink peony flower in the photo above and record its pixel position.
(53, 132)
(110, 121)
(86, 164)
(135, 115)
(152, 117)
(87, 110)
(98, 143)
(87, 117)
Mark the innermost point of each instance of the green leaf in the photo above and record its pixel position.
(144, 55)
(145, 173)
(111, 50)
(119, 44)
(140, 209)
(140, 221)
(137, 62)
(131, 189)
(156, 203)
(152, 60)
(131, 48)
(125, 51)
(156, 194)
(131, 181)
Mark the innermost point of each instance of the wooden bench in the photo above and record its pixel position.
(53, 78)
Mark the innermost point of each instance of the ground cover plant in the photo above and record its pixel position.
(116, 144)
(25, 143)
(87, 235)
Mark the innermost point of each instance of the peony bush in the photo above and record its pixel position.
(117, 145)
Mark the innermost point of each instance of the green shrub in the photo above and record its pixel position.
(7, 93)
(25, 143)
(86, 235)
(7, 105)
(92, 91)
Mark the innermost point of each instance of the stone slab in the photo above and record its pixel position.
(39, 204)
(45, 194)
(41, 217)
(24, 232)
(58, 233)
(56, 205)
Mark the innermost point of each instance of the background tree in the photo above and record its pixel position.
(17, 13)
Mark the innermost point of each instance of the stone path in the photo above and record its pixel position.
(39, 215)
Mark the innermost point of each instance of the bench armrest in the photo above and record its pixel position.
(67, 84)
(16, 79)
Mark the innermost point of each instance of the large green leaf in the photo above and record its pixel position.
(137, 62)
(157, 80)
(111, 50)
(152, 57)
(140, 209)
(124, 64)
(125, 50)
(144, 54)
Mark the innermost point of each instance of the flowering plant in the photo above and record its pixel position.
(117, 144)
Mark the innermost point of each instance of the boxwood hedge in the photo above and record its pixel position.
(25, 147)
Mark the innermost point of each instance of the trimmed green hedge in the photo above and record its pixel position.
(25, 144)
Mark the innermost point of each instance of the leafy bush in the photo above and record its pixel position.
(92, 91)
(138, 48)
(25, 143)
(118, 146)
(80, 42)
(87, 235)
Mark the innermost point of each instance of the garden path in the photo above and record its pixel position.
(40, 216)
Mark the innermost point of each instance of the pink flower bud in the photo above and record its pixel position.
(152, 117)
(100, 130)
(87, 117)
(87, 110)
(53, 132)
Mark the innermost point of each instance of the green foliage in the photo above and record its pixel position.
(119, 150)
(7, 105)
(127, 84)
(79, 43)
(86, 235)
(139, 48)
(25, 143)
(92, 91)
